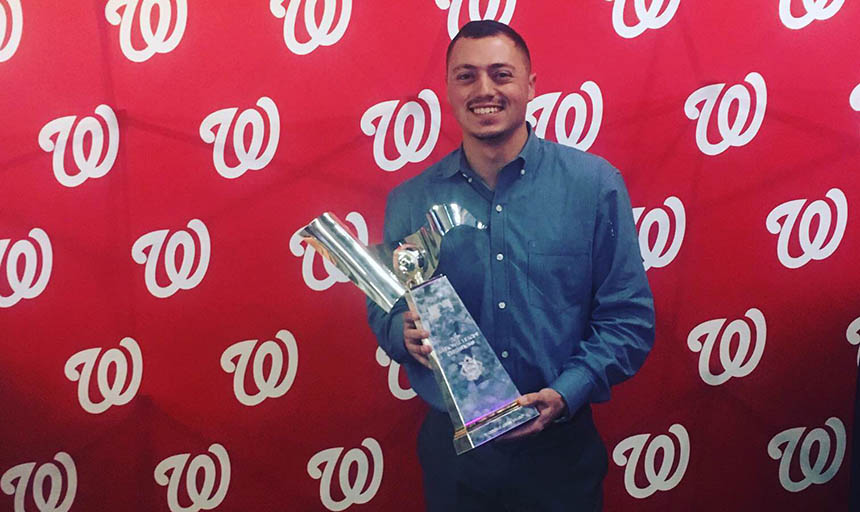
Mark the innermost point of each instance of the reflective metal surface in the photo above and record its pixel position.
(333, 240)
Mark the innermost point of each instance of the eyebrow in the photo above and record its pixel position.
(491, 66)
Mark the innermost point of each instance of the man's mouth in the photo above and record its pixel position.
(484, 110)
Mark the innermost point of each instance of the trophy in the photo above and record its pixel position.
(480, 396)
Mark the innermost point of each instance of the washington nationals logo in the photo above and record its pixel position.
(117, 391)
(411, 150)
(253, 156)
(651, 16)
(577, 137)
(199, 489)
(741, 130)
(356, 490)
(661, 252)
(26, 285)
(272, 384)
(852, 334)
(854, 99)
(159, 40)
(11, 26)
(663, 478)
(704, 336)
(783, 446)
(324, 33)
(181, 278)
(90, 164)
(393, 376)
(815, 10)
(300, 249)
(454, 8)
(782, 219)
(16, 481)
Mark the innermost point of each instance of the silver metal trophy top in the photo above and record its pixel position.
(384, 271)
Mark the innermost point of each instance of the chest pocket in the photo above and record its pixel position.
(557, 279)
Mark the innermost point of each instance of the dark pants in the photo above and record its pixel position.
(562, 468)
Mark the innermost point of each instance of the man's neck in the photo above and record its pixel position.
(487, 158)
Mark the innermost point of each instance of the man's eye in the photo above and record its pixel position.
(464, 76)
(504, 75)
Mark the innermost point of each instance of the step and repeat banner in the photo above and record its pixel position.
(167, 341)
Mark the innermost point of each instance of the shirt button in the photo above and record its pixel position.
(504, 354)
(500, 257)
(499, 208)
(469, 180)
(522, 172)
(502, 305)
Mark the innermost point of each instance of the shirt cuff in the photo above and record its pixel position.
(396, 348)
(574, 386)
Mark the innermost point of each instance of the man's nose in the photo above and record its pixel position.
(484, 85)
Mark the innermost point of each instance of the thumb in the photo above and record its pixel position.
(529, 399)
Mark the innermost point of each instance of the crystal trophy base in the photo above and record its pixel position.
(480, 395)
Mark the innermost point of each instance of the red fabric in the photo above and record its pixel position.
(68, 58)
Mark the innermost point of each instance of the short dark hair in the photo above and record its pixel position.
(488, 28)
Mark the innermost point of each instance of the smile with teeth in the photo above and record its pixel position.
(485, 110)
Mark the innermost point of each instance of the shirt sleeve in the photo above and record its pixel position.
(388, 327)
(621, 329)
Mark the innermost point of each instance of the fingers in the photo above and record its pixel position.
(418, 350)
(410, 328)
(415, 339)
(412, 333)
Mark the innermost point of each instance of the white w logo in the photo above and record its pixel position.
(742, 363)
(88, 164)
(454, 8)
(324, 33)
(854, 99)
(411, 151)
(784, 444)
(733, 133)
(250, 157)
(659, 479)
(815, 10)
(157, 41)
(124, 386)
(649, 16)
(393, 376)
(781, 221)
(576, 137)
(11, 25)
(47, 471)
(181, 278)
(267, 385)
(201, 491)
(302, 250)
(852, 334)
(26, 286)
(659, 255)
(357, 492)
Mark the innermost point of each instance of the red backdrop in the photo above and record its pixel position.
(158, 319)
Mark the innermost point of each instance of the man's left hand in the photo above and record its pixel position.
(549, 404)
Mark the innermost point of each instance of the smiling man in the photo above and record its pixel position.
(556, 284)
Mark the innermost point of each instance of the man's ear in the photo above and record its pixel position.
(532, 80)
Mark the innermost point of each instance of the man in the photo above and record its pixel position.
(555, 282)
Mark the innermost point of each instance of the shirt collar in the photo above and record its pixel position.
(457, 162)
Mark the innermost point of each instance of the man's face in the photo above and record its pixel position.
(489, 87)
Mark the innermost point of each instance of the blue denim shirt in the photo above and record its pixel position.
(556, 281)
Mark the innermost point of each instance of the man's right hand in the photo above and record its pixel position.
(413, 338)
